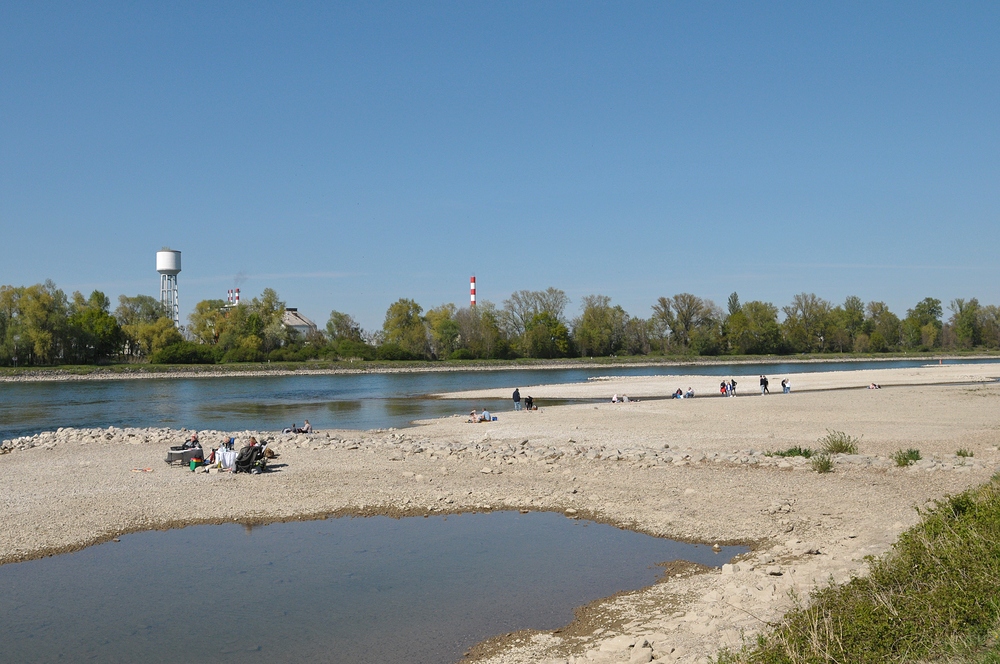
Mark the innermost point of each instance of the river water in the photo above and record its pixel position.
(354, 401)
(361, 590)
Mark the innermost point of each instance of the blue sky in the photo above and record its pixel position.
(349, 154)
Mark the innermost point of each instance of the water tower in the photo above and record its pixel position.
(168, 264)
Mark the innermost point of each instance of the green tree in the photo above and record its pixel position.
(134, 313)
(342, 327)
(94, 335)
(546, 337)
(522, 307)
(806, 322)
(965, 322)
(754, 329)
(405, 328)
(989, 326)
(138, 309)
(40, 325)
(683, 314)
(479, 332)
(208, 321)
(922, 326)
(884, 328)
(600, 330)
(733, 304)
(444, 330)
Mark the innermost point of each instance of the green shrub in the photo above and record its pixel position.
(349, 348)
(934, 597)
(243, 355)
(822, 463)
(838, 442)
(792, 452)
(462, 354)
(184, 352)
(964, 453)
(906, 458)
(394, 352)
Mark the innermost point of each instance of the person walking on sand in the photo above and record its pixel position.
(732, 387)
(763, 385)
(517, 398)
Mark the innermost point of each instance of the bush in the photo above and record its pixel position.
(822, 463)
(243, 355)
(792, 452)
(838, 442)
(906, 458)
(348, 348)
(462, 354)
(184, 352)
(964, 453)
(394, 352)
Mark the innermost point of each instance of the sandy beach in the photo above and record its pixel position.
(692, 469)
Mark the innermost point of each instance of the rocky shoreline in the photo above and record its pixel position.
(696, 471)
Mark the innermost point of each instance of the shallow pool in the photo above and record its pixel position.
(358, 590)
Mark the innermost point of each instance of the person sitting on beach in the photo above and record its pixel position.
(614, 399)
(486, 417)
(689, 394)
(472, 416)
(874, 386)
(191, 442)
(306, 428)
(678, 394)
(529, 403)
(624, 398)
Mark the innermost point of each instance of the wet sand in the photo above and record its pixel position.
(687, 469)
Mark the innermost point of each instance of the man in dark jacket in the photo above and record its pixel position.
(517, 398)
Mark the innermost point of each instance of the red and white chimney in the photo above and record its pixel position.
(472, 292)
(237, 296)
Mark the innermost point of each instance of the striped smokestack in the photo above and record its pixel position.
(472, 291)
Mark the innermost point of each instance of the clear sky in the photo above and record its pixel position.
(349, 154)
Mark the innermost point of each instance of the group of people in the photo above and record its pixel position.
(305, 428)
(485, 416)
(621, 399)
(729, 388)
(683, 395)
(252, 457)
(529, 403)
(786, 385)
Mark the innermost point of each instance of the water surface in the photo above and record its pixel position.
(355, 401)
(361, 590)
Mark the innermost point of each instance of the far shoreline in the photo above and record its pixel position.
(141, 372)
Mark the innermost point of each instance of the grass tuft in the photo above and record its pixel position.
(935, 596)
(822, 463)
(905, 458)
(796, 451)
(838, 442)
(964, 453)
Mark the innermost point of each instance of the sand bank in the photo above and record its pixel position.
(708, 385)
(691, 469)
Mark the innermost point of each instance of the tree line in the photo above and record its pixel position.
(41, 325)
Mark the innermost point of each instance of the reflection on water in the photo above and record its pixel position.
(342, 407)
(357, 401)
(343, 590)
